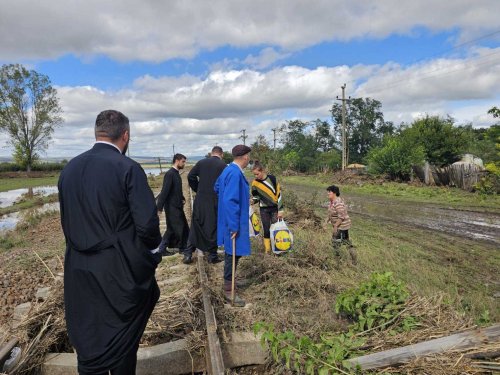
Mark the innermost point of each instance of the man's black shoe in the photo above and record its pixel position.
(187, 259)
(166, 253)
(214, 260)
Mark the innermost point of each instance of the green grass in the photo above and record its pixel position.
(400, 191)
(25, 182)
(429, 262)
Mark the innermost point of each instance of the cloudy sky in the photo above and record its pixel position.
(195, 73)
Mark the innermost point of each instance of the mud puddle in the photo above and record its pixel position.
(472, 224)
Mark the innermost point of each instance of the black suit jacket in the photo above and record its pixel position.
(110, 222)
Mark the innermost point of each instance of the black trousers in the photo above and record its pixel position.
(268, 216)
(228, 266)
(342, 237)
(126, 367)
(211, 254)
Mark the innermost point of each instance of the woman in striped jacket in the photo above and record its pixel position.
(267, 192)
(338, 217)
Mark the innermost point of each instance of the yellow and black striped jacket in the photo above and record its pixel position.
(267, 192)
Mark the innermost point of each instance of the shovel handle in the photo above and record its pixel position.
(233, 273)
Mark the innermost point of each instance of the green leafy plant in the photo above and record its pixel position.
(306, 356)
(373, 304)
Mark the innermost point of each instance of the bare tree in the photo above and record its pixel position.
(29, 111)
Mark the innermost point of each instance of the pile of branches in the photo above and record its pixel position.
(42, 331)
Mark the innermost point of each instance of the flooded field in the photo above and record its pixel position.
(8, 198)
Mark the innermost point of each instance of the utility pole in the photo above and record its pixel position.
(173, 150)
(274, 137)
(159, 162)
(244, 137)
(344, 133)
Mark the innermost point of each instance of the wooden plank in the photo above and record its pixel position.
(215, 363)
(463, 340)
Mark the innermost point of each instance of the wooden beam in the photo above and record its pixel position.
(464, 340)
(215, 362)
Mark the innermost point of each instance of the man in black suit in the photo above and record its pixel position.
(201, 178)
(172, 200)
(111, 227)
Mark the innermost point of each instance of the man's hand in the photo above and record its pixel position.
(233, 235)
(159, 212)
(280, 215)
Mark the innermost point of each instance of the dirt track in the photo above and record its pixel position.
(465, 223)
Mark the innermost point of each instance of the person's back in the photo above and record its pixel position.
(203, 233)
(207, 172)
(110, 223)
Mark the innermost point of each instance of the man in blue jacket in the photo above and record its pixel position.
(232, 221)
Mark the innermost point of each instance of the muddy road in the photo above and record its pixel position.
(465, 222)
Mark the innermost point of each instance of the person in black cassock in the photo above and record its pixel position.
(111, 227)
(172, 200)
(203, 233)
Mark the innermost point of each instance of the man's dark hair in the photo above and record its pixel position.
(334, 189)
(217, 150)
(111, 124)
(178, 157)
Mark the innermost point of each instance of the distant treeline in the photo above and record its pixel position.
(40, 166)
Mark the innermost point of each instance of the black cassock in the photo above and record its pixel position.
(172, 201)
(201, 178)
(110, 223)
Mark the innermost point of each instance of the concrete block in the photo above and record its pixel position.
(171, 358)
(243, 349)
(20, 313)
(42, 293)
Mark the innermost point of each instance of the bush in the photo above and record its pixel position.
(9, 167)
(489, 184)
(395, 158)
(43, 167)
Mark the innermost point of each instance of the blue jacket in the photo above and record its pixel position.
(234, 197)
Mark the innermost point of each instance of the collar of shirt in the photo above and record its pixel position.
(111, 144)
(241, 169)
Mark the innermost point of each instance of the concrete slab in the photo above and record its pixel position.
(243, 349)
(173, 358)
(20, 312)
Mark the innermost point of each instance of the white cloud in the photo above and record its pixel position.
(159, 30)
(194, 113)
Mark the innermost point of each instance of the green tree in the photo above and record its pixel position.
(325, 140)
(299, 145)
(495, 112)
(396, 157)
(365, 126)
(261, 150)
(29, 111)
(227, 157)
(443, 143)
